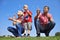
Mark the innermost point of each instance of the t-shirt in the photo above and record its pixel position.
(27, 17)
(44, 19)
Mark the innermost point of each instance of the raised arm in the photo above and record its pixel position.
(29, 13)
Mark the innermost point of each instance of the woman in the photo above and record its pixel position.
(19, 25)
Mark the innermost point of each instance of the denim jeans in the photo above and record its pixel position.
(16, 31)
(41, 29)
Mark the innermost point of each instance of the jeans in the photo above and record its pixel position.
(41, 29)
(16, 31)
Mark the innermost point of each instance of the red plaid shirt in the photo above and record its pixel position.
(44, 19)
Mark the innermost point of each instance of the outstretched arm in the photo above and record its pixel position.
(14, 20)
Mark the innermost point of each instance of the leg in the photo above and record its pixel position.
(49, 27)
(47, 34)
(36, 23)
(25, 27)
(52, 25)
(13, 31)
(29, 26)
(23, 30)
(19, 28)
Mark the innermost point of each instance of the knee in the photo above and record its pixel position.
(53, 23)
(9, 28)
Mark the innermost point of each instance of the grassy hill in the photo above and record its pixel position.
(31, 38)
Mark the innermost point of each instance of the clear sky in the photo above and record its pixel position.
(10, 7)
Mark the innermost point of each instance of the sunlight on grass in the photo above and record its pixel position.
(31, 38)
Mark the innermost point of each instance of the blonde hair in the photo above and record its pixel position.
(20, 13)
(26, 6)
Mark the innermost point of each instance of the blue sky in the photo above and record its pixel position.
(10, 7)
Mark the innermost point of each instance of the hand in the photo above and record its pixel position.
(14, 23)
(35, 17)
(18, 21)
(10, 18)
(29, 13)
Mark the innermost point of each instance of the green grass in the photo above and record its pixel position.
(31, 38)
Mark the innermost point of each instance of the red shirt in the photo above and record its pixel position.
(44, 19)
(28, 16)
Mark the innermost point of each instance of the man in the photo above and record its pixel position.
(27, 20)
(46, 23)
(19, 25)
(36, 20)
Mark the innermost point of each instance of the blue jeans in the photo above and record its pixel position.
(41, 29)
(16, 31)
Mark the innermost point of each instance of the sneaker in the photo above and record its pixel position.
(38, 35)
(24, 35)
(28, 35)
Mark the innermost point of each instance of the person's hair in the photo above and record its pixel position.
(38, 10)
(47, 7)
(26, 5)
